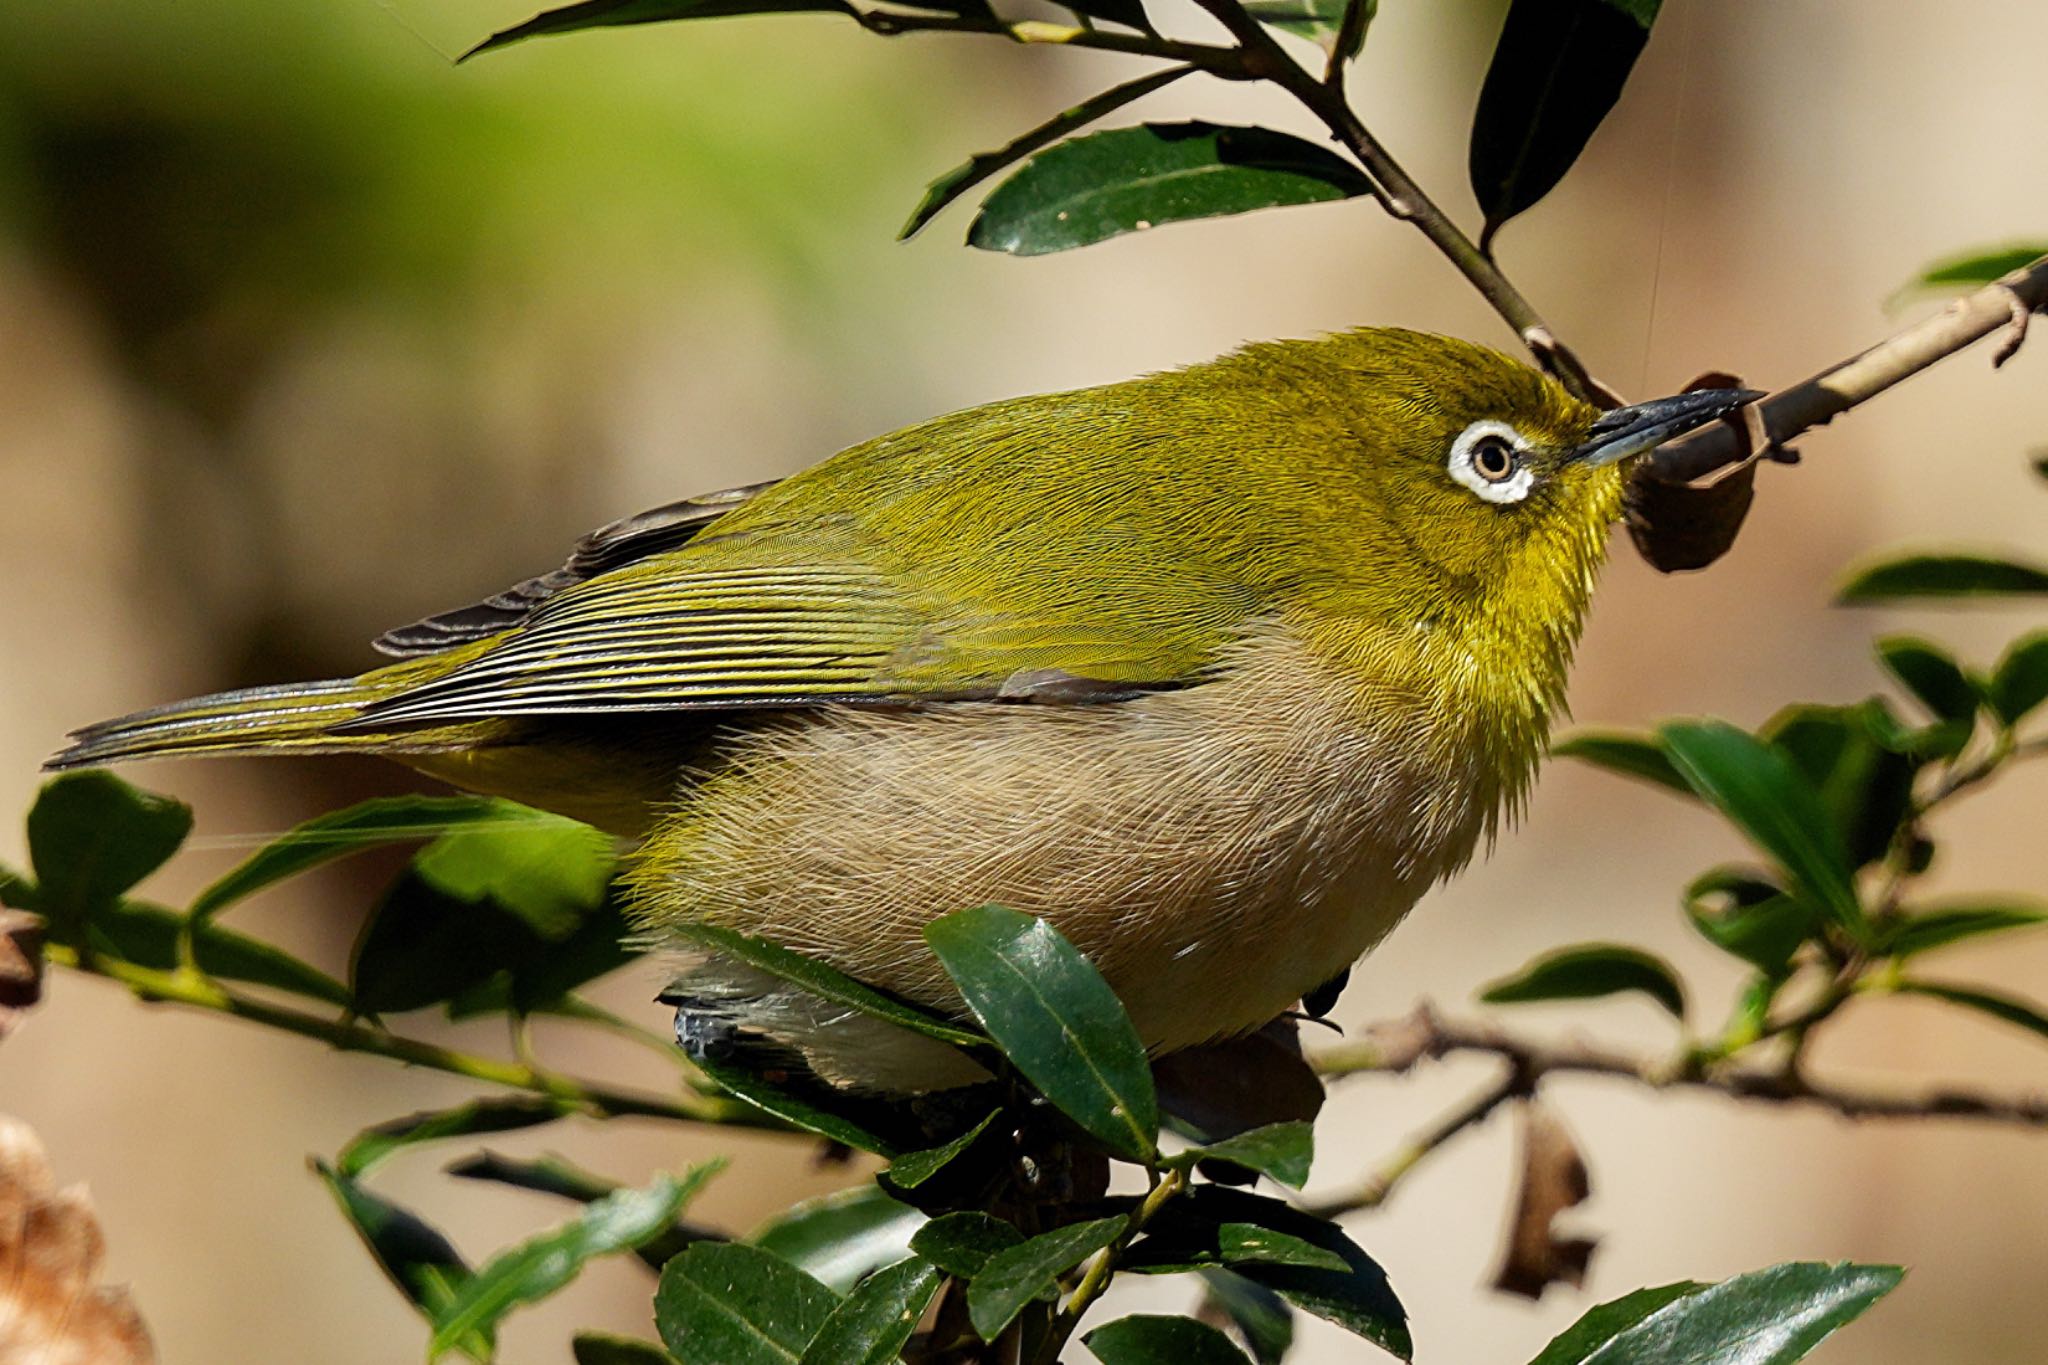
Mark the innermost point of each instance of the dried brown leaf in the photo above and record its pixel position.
(1554, 1179)
(21, 965)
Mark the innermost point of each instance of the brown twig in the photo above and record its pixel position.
(1819, 400)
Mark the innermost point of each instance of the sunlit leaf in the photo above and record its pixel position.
(1583, 1341)
(1014, 1277)
(503, 1114)
(841, 1237)
(1974, 269)
(872, 1326)
(738, 1305)
(1283, 1151)
(1767, 1317)
(556, 1175)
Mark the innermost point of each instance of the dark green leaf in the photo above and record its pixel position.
(2019, 1013)
(1013, 1278)
(1192, 1246)
(1150, 1340)
(1056, 1019)
(551, 1174)
(542, 978)
(1769, 800)
(91, 836)
(1974, 269)
(1587, 972)
(826, 983)
(862, 1123)
(592, 1348)
(501, 1115)
(1280, 1150)
(17, 891)
(1927, 671)
(2020, 683)
(738, 1305)
(982, 165)
(1915, 576)
(416, 1257)
(1767, 1317)
(147, 935)
(1231, 1086)
(876, 1320)
(1260, 1314)
(1322, 22)
(1092, 188)
(1860, 759)
(1558, 68)
(383, 820)
(1941, 927)
(541, 1265)
(1582, 1342)
(962, 1243)
(617, 13)
(1631, 755)
(914, 1168)
(422, 946)
(841, 1237)
(546, 871)
(1741, 913)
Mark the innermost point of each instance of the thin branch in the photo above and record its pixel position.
(1373, 1190)
(1819, 400)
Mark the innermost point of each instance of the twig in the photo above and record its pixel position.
(1817, 401)
(1373, 1190)
(1226, 62)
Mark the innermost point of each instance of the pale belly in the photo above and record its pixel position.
(1216, 851)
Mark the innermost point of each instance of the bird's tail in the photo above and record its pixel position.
(295, 716)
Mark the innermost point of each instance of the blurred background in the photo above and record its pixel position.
(305, 332)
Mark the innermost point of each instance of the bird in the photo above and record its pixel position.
(1218, 670)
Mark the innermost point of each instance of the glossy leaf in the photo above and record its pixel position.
(2020, 682)
(1558, 68)
(1767, 1317)
(1974, 269)
(1283, 1151)
(147, 935)
(1752, 918)
(416, 1258)
(1260, 1315)
(368, 824)
(841, 1237)
(808, 1104)
(961, 1244)
(1769, 800)
(1908, 577)
(618, 13)
(543, 1264)
(91, 837)
(875, 1322)
(914, 1168)
(827, 983)
(594, 1348)
(1861, 760)
(738, 1305)
(1191, 1245)
(1145, 1339)
(979, 167)
(2006, 1009)
(1056, 1019)
(1588, 972)
(1092, 188)
(1582, 1343)
(1955, 922)
(501, 1115)
(1631, 755)
(1012, 1278)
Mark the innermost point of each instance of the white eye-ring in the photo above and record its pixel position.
(1487, 458)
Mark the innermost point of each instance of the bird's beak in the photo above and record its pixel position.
(1645, 426)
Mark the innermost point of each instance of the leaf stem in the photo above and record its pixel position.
(1100, 1271)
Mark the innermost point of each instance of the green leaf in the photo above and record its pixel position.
(1946, 575)
(1322, 22)
(1280, 1150)
(982, 165)
(1558, 68)
(147, 935)
(738, 1305)
(502, 1115)
(1750, 917)
(827, 983)
(592, 1348)
(914, 1168)
(1056, 1019)
(1149, 1340)
(92, 836)
(1587, 972)
(547, 871)
(618, 13)
(961, 1244)
(1862, 762)
(1954, 922)
(1092, 188)
(2005, 1008)
(1192, 1246)
(1260, 1314)
(1974, 269)
(1926, 670)
(556, 1175)
(875, 1322)
(841, 1237)
(368, 824)
(1618, 751)
(1583, 1341)
(1767, 1317)
(414, 1256)
(1014, 1277)
(858, 1121)
(2020, 682)
(422, 946)
(539, 1266)
(1769, 800)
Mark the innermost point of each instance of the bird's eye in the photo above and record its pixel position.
(1488, 459)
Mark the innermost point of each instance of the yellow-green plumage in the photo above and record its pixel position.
(1218, 669)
